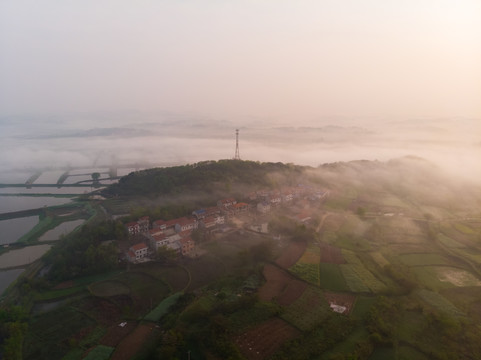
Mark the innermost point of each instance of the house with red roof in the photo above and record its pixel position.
(240, 208)
(185, 224)
(137, 252)
(226, 203)
(138, 227)
(133, 228)
(208, 222)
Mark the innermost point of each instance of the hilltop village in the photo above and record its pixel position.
(149, 236)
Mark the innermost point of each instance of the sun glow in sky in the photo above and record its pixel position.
(273, 59)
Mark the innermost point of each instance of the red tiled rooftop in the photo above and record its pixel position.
(139, 246)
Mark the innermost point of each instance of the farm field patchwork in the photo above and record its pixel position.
(291, 254)
(331, 254)
(265, 339)
(379, 259)
(307, 311)
(134, 342)
(439, 302)
(449, 242)
(331, 277)
(310, 256)
(109, 288)
(352, 278)
(423, 259)
(442, 277)
(307, 272)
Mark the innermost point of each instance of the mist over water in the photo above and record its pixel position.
(100, 139)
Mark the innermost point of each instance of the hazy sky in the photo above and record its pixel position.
(272, 59)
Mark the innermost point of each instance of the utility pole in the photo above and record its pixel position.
(237, 156)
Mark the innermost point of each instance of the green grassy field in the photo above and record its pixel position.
(163, 308)
(109, 288)
(424, 259)
(308, 311)
(331, 277)
(307, 272)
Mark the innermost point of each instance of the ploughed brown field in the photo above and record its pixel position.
(133, 343)
(331, 254)
(264, 340)
(291, 254)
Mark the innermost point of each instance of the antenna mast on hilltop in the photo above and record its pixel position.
(236, 156)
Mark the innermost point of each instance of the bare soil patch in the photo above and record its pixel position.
(264, 340)
(331, 254)
(116, 333)
(333, 222)
(280, 286)
(133, 343)
(291, 254)
(294, 289)
(64, 285)
(346, 300)
(276, 281)
(103, 311)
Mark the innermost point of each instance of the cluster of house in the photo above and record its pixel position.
(176, 234)
(268, 200)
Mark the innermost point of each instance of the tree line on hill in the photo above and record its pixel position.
(204, 176)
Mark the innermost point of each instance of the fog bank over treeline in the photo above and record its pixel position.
(160, 139)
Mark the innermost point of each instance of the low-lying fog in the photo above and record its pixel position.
(98, 139)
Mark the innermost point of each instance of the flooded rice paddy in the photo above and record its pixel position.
(62, 229)
(13, 229)
(22, 257)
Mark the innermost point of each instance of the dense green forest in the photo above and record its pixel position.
(203, 176)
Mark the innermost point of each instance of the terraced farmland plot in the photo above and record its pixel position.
(379, 259)
(353, 280)
(331, 254)
(307, 311)
(457, 277)
(449, 242)
(109, 288)
(264, 340)
(331, 278)
(351, 257)
(308, 272)
(423, 259)
(291, 254)
(443, 277)
(277, 281)
(310, 257)
(439, 302)
(359, 279)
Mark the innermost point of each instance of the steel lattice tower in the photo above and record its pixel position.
(236, 156)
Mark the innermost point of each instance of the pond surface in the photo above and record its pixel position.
(13, 229)
(18, 203)
(7, 277)
(23, 256)
(62, 229)
(46, 190)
